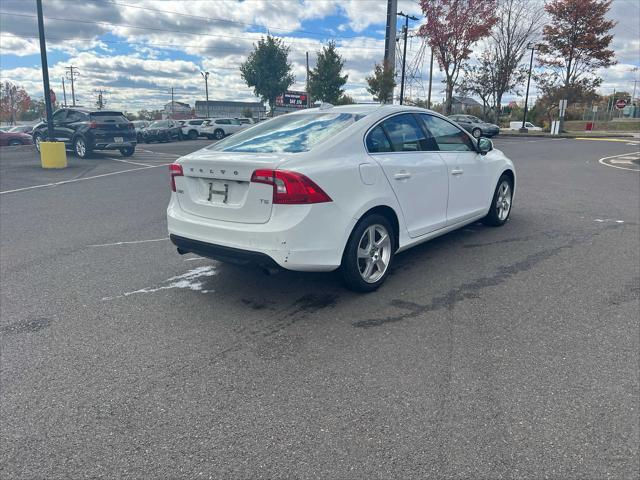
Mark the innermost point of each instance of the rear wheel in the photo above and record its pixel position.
(193, 134)
(14, 142)
(501, 203)
(81, 148)
(127, 151)
(368, 254)
(37, 138)
(218, 134)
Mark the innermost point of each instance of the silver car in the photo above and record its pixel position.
(476, 127)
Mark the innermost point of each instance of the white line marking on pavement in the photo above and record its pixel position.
(602, 161)
(130, 163)
(190, 280)
(129, 243)
(55, 184)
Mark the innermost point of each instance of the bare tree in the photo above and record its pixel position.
(519, 22)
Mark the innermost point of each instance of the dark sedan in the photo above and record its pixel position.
(162, 131)
(476, 127)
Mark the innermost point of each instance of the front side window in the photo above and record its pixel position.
(73, 116)
(288, 133)
(448, 137)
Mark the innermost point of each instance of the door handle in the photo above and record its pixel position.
(402, 175)
(457, 172)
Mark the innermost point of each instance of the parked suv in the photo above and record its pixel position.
(87, 130)
(191, 128)
(476, 127)
(220, 127)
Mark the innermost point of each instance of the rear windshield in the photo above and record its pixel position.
(108, 117)
(288, 133)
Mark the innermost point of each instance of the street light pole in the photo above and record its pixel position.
(45, 72)
(205, 75)
(404, 52)
(523, 129)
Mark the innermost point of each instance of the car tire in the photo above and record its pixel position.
(218, 134)
(37, 138)
(369, 254)
(80, 148)
(501, 203)
(14, 143)
(476, 132)
(127, 151)
(193, 134)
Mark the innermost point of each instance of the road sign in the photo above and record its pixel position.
(620, 104)
(52, 94)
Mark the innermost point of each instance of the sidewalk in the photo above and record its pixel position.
(509, 133)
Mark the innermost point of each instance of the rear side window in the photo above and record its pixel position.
(109, 117)
(406, 135)
(195, 122)
(448, 137)
(73, 116)
(377, 141)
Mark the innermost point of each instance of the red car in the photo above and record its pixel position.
(15, 138)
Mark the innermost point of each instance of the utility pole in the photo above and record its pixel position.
(45, 72)
(205, 75)
(404, 52)
(523, 129)
(173, 111)
(390, 38)
(64, 93)
(308, 93)
(72, 73)
(100, 102)
(430, 79)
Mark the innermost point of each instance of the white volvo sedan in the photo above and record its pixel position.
(336, 187)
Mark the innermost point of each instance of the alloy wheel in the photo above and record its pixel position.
(374, 253)
(81, 148)
(503, 203)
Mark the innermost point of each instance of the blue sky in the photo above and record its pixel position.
(139, 66)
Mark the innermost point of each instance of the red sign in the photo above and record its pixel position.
(52, 95)
(620, 104)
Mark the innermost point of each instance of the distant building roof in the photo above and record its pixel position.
(467, 101)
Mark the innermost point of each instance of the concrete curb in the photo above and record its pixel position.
(567, 135)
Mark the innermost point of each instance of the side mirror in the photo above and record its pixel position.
(484, 145)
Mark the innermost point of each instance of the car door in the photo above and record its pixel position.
(58, 119)
(69, 126)
(469, 174)
(416, 172)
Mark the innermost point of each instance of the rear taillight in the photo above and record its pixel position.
(175, 170)
(93, 124)
(290, 187)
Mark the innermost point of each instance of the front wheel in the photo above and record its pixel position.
(218, 134)
(127, 151)
(14, 142)
(501, 203)
(368, 254)
(81, 148)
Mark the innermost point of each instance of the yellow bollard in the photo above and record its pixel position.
(53, 155)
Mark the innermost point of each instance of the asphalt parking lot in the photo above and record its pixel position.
(489, 353)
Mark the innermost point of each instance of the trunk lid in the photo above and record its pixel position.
(217, 185)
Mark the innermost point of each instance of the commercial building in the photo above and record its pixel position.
(223, 108)
(176, 110)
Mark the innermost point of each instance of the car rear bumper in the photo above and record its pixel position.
(297, 237)
(113, 146)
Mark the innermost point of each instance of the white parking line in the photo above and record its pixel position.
(627, 161)
(55, 184)
(129, 243)
(130, 163)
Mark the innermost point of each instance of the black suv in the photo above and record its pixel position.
(87, 130)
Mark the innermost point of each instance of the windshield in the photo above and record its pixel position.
(161, 124)
(288, 133)
(18, 129)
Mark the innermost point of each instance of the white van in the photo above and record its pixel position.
(528, 125)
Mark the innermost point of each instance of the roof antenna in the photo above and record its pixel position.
(325, 106)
